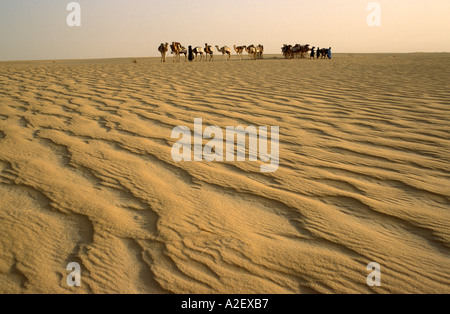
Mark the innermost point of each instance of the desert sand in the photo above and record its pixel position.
(86, 176)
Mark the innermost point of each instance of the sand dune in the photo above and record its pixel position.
(86, 175)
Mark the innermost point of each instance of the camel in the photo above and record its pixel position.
(198, 51)
(183, 51)
(209, 51)
(163, 48)
(287, 51)
(224, 50)
(239, 51)
(260, 51)
(296, 51)
(305, 50)
(176, 50)
(251, 50)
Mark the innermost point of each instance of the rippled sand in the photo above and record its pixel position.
(86, 176)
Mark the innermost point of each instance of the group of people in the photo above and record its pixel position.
(320, 53)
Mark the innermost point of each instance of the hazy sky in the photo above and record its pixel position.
(35, 30)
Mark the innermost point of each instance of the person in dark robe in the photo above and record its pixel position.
(190, 54)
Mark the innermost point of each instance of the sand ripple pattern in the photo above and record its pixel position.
(86, 176)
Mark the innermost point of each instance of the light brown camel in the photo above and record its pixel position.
(305, 50)
(224, 50)
(251, 50)
(296, 51)
(176, 51)
(287, 51)
(183, 51)
(260, 52)
(209, 51)
(198, 51)
(163, 48)
(239, 51)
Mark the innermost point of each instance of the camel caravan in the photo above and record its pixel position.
(304, 51)
(207, 53)
(254, 52)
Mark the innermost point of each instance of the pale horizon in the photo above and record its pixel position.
(115, 29)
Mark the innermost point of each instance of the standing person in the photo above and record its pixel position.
(190, 54)
(318, 53)
(313, 53)
(329, 53)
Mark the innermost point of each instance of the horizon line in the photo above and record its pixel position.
(150, 57)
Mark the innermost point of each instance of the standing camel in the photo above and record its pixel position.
(251, 50)
(163, 48)
(183, 51)
(224, 50)
(176, 51)
(305, 51)
(296, 51)
(287, 51)
(239, 51)
(198, 51)
(209, 51)
(260, 52)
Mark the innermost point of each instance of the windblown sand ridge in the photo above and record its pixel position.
(86, 175)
